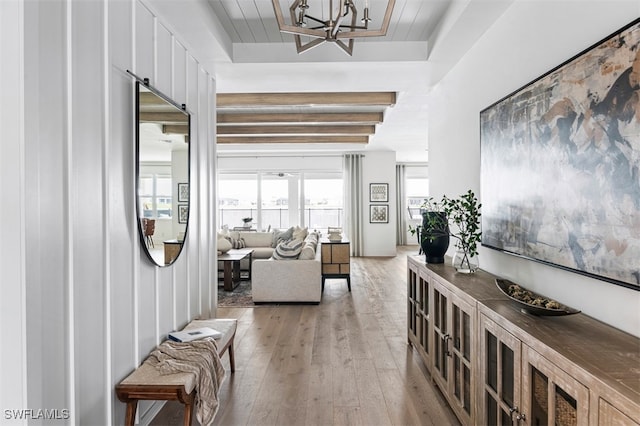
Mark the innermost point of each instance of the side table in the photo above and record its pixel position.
(231, 272)
(336, 260)
(171, 250)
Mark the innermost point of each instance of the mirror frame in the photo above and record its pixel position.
(140, 84)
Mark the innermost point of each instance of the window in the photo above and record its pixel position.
(237, 199)
(275, 200)
(416, 190)
(323, 203)
(279, 199)
(155, 196)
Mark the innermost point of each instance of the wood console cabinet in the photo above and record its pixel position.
(497, 365)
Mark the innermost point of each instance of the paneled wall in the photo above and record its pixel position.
(86, 304)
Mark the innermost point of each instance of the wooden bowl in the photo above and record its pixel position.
(503, 285)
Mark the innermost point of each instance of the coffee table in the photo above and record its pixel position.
(231, 262)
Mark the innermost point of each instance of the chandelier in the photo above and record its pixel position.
(339, 26)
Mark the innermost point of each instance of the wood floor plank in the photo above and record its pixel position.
(372, 402)
(348, 416)
(320, 395)
(345, 361)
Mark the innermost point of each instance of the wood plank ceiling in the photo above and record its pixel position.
(301, 118)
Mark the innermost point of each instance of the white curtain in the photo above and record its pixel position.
(401, 205)
(353, 209)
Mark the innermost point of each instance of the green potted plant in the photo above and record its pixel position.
(433, 233)
(463, 214)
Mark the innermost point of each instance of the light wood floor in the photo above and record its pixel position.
(343, 362)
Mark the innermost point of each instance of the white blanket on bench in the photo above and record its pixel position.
(201, 358)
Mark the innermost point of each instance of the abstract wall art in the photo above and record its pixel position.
(560, 164)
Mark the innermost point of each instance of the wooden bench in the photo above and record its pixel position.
(146, 383)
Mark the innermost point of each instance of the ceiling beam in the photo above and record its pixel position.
(291, 139)
(163, 117)
(294, 129)
(347, 117)
(175, 129)
(224, 100)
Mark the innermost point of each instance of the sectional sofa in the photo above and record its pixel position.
(281, 281)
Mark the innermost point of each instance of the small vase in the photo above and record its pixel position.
(465, 263)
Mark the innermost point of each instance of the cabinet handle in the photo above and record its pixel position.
(511, 411)
(446, 339)
(519, 417)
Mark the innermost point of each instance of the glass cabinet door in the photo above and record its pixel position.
(440, 334)
(453, 324)
(462, 325)
(500, 375)
(412, 302)
(550, 395)
(423, 313)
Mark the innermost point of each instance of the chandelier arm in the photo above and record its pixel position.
(315, 19)
(356, 27)
(301, 48)
(348, 49)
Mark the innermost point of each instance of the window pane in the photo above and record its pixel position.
(323, 201)
(146, 186)
(275, 202)
(417, 189)
(163, 185)
(147, 206)
(237, 199)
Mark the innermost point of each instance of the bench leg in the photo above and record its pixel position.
(188, 412)
(130, 417)
(232, 358)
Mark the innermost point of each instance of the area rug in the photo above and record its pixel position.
(240, 297)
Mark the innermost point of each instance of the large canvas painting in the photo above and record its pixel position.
(560, 164)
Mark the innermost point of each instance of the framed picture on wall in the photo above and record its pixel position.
(183, 192)
(379, 213)
(572, 131)
(379, 192)
(183, 213)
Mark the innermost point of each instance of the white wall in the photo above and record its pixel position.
(529, 39)
(81, 303)
(13, 309)
(379, 238)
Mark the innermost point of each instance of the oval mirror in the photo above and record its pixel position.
(162, 173)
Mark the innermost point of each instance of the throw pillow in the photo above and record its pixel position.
(224, 245)
(308, 251)
(237, 243)
(279, 236)
(288, 250)
(300, 233)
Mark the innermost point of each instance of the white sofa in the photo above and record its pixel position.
(287, 281)
(280, 281)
